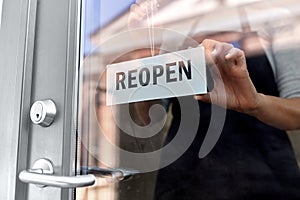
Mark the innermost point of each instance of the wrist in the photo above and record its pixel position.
(255, 110)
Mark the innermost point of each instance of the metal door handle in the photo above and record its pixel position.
(111, 175)
(42, 172)
(35, 177)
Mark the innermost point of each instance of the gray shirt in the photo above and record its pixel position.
(285, 61)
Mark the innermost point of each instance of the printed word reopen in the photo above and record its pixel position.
(173, 74)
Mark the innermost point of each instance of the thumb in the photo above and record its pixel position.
(203, 97)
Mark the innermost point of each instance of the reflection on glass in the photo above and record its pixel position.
(162, 139)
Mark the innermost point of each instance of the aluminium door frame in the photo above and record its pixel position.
(12, 47)
(23, 19)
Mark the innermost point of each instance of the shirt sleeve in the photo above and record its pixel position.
(286, 57)
(287, 71)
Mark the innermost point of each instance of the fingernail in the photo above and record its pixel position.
(214, 52)
(228, 55)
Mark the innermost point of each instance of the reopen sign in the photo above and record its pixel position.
(173, 74)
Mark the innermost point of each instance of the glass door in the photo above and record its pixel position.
(107, 107)
(141, 133)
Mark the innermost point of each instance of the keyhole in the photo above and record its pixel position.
(37, 116)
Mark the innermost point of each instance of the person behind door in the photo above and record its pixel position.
(253, 158)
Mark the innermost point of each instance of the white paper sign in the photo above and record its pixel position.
(1, 5)
(174, 74)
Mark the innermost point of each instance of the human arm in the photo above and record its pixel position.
(233, 89)
(279, 112)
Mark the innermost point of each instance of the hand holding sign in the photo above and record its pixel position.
(228, 69)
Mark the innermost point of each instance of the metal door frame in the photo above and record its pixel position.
(41, 62)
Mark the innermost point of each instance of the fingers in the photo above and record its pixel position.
(203, 97)
(223, 54)
(220, 51)
(217, 96)
(236, 55)
(209, 44)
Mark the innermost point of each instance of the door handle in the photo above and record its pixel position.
(42, 172)
(111, 175)
(43, 180)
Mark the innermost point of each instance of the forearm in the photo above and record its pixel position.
(278, 112)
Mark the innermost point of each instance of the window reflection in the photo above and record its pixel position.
(257, 27)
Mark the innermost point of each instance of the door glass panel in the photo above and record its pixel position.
(176, 147)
